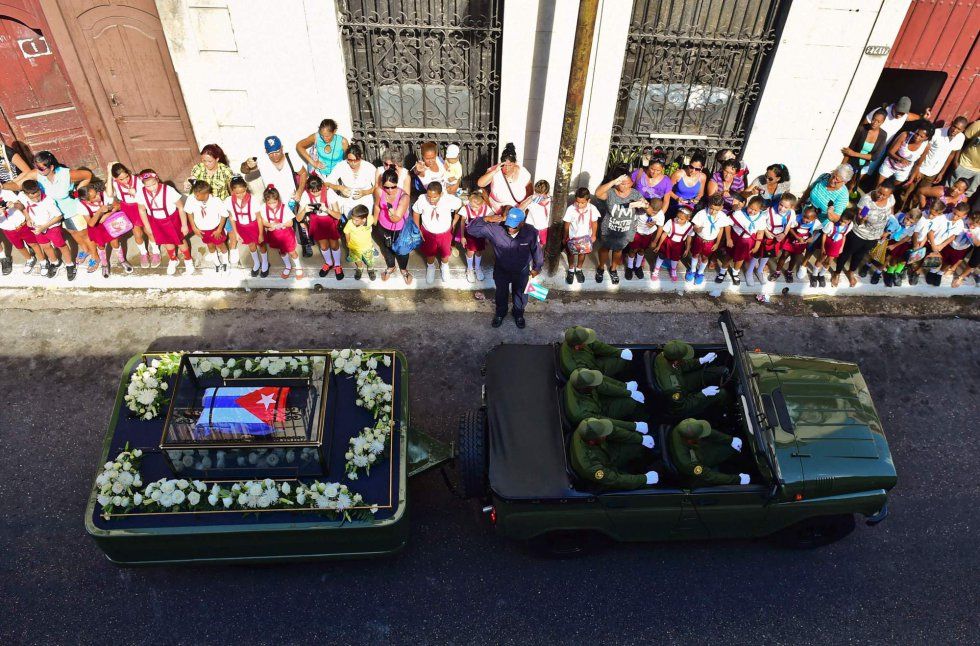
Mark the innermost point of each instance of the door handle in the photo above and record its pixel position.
(113, 100)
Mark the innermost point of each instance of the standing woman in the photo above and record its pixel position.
(163, 215)
(727, 181)
(328, 149)
(214, 169)
(390, 206)
(866, 145)
(651, 181)
(430, 168)
(874, 210)
(771, 185)
(125, 188)
(12, 162)
(393, 160)
(688, 183)
(906, 153)
(354, 179)
(509, 183)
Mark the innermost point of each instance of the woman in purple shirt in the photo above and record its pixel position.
(727, 181)
(651, 182)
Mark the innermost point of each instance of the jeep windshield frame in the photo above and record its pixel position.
(756, 422)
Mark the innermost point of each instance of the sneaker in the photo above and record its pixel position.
(599, 274)
(569, 276)
(325, 269)
(372, 274)
(813, 280)
(128, 268)
(788, 275)
(470, 276)
(497, 321)
(976, 280)
(144, 261)
(308, 250)
(172, 267)
(71, 271)
(822, 280)
(673, 275)
(801, 272)
(6, 265)
(913, 277)
(358, 273)
(29, 265)
(234, 256)
(935, 279)
(480, 276)
(749, 278)
(898, 279)
(580, 276)
(889, 279)
(614, 276)
(430, 273)
(638, 272)
(49, 270)
(628, 273)
(155, 260)
(105, 270)
(774, 276)
(338, 272)
(698, 279)
(875, 277)
(255, 271)
(689, 276)
(863, 271)
(189, 269)
(655, 275)
(444, 272)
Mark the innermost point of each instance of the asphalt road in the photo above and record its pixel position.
(912, 579)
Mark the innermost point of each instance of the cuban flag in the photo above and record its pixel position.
(536, 290)
(244, 411)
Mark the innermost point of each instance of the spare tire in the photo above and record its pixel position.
(471, 461)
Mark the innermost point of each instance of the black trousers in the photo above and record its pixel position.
(854, 252)
(510, 284)
(385, 239)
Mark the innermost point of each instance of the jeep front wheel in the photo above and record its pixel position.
(471, 462)
(816, 532)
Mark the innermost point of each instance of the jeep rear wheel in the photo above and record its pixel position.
(816, 532)
(471, 462)
(567, 543)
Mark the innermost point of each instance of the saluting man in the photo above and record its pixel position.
(681, 376)
(610, 457)
(581, 349)
(697, 449)
(589, 394)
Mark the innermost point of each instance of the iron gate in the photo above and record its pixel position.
(420, 70)
(692, 75)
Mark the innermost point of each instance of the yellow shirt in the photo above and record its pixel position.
(970, 156)
(359, 238)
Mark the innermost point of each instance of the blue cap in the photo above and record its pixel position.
(514, 217)
(272, 144)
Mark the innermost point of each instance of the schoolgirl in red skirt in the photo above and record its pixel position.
(13, 225)
(276, 221)
(748, 229)
(674, 242)
(125, 190)
(648, 225)
(322, 209)
(779, 218)
(163, 214)
(835, 233)
(711, 225)
(243, 211)
(475, 207)
(792, 249)
(95, 206)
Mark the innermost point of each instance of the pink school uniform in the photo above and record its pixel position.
(162, 213)
(245, 219)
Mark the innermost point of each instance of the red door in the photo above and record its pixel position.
(35, 101)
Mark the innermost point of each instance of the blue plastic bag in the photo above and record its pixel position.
(409, 238)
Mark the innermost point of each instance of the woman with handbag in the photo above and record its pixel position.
(508, 182)
(390, 206)
(97, 208)
(874, 209)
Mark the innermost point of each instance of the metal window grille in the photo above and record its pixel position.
(421, 70)
(692, 75)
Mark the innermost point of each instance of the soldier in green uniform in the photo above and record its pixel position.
(581, 349)
(589, 394)
(611, 457)
(682, 377)
(697, 449)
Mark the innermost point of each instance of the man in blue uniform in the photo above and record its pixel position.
(518, 258)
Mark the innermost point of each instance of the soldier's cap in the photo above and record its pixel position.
(676, 350)
(693, 429)
(593, 428)
(583, 377)
(579, 335)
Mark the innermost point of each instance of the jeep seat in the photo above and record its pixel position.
(663, 437)
(651, 376)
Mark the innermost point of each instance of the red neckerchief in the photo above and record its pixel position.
(98, 206)
(131, 185)
(278, 212)
(248, 208)
(469, 212)
(161, 190)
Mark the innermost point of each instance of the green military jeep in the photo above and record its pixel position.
(816, 453)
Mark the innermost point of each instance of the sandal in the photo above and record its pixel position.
(408, 277)
(386, 274)
(285, 273)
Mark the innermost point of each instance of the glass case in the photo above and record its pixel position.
(249, 415)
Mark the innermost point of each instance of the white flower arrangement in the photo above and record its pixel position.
(268, 366)
(374, 394)
(118, 483)
(147, 391)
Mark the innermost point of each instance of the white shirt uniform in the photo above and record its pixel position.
(207, 215)
(707, 226)
(835, 231)
(745, 226)
(40, 213)
(328, 199)
(127, 192)
(924, 226)
(438, 217)
(943, 229)
(676, 232)
(966, 239)
(777, 222)
(940, 147)
(580, 223)
(84, 206)
(539, 215)
(11, 219)
(161, 205)
(244, 213)
(646, 225)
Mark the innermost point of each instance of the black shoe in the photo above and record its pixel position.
(822, 280)
(788, 275)
(255, 271)
(50, 270)
(889, 280)
(875, 277)
(357, 274)
(813, 280)
(497, 321)
(898, 279)
(736, 278)
(774, 276)
(6, 265)
(598, 275)
(372, 274)
(863, 271)
(913, 278)
(937, 279)
(569, 276)
(628, 273)
(580, 276)
(71, 270)
(720, 278)
(307, 251)
(638, 272)
(520, 322)
(614, 276)
(264, 273)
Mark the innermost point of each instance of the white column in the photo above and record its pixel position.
(602, 90)
(819, 83)
(519, 27)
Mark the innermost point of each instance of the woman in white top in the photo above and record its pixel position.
(509, 183)
(354, 179)
(905, 152)
(430, 168)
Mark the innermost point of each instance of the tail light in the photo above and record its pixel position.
(492, 512)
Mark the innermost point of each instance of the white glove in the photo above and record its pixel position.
(648, 441)
(626, 354)
(642, 427)
(708, 358)
(737, 444)
(710, 391)
(632, 386)
(652, 477)
(638, 396)
(743, 478)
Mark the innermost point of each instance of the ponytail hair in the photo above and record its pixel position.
(509, 154)
(47, 158)
(271, 193)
